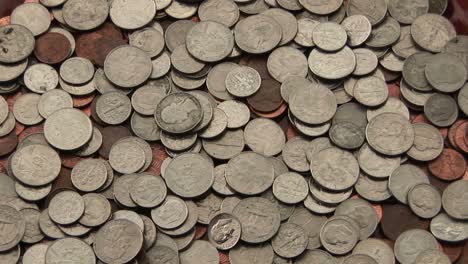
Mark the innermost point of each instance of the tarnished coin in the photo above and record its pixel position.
(239, 169)
(432, 32)
(329, 36)
(414, 71)
(146, 98)
(305, 29)
(286, 61)
(181, 10)
(70, 250)
(362, 212)
(97, 210)
(375, 164)
(8, 125)
(257, 229)
(68, 129)
(225, 12)
(453, 200)
(339, 236)
(145, 127)
(25, 109)
(208, 207)
(445, 72)
(121, 189)
(35, 165)
(189, 175)
(424, 200)
(243, 81)
(148, 191)
(314, 105)
(118, 241)
(35, 254)
(184, 62)
(290, 241)
(441, 110)
(390, 134)
(149, 40)
(125, 72)
(89, 175)
(407, 11)
(126, 157)
(209, 41)
(52, 101)
(66, 207)
(32, 193)
(334, 169)
(377, 249)
(403, 179)
(49, 228)
(225, 146)
(392, 62)
(85, 14)
(178, 113)
(113, 108)
(428, 143)
(40, 78)
(23, 14)
(217, 125)
(257, 34)
(224, 231)
(238, 113)
(161, 65)
(32, 232)
(290, 188)
(445, 228)
(366, 61)
(215, 81)
(371, 91)
(132, 15)
(17, 225)
(406, 250)
(359, 258)
(200, 252)
(18, 42)
(334, 65)
(294, 154)
(77, 70)
(159, 254)
(269, 144)
(11, 71)
(287, 22)
(374, 10)
(171, 213)
(384, 34)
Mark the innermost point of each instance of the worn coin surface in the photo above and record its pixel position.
(286, 61)
(70, 250)
(66, 207)
(22, 15)
(132, 15)
(374, 10)
(269, 144)
(178, 113)
(452, 200)
(290, 188)
(11, 237)
(441, 110)
(12, 36)
(243, 81)
(171, 213)
(257, 34)
(332, 66)
(85, 15)
(209, 41)
(339, 235)
(445, 72)
(432, 32)
(224, 231)
(424, 200)
(403, 179)
(448, 229)
(405, 249)
(41, 78)
(290, 241)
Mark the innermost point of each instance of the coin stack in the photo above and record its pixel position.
(233, 131)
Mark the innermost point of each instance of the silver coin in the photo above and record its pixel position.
(290, 241)
(25, 109)
(209, 41)
(32, 193)
(161, 65)
(128, 66)
(183, 82)
(462, 99)
(384, 34)
(132, 15)
(405, 249)
(130, 216)
(23, 15)
(178, 113)
(257, 229)
(447, 229)
(372, 189)
(445, 72)
(146, 98)
(4, 111)
(220, 184)
(97, 210)
(374, 10)
(49, 228)
(126, 156)
(12, 36)
(238, 113)
(40, 78)
(339, 229)
(89, 175)
(287, 21)
(456, 46)
(403, 179)
(332, 66)
(224, 231)
(113, 108)
(35, 165)
(321, 8)
(424, 200)
(215, 81)
(286, 61)
(225, 12)
(294, 154)
(316, 256)
(148, 39)
(80, 89)
(217, 125)
(318, 207)
(305, 28)
(358, 28)
(243, 81)
(453, 202)
(292, 83)
(207, 108)
(392, 62)
(334, 169)
(35, 254)
(329, 36)
(14, 235)
(52, 101)
(257, 34)
(313, 106)
(12, 71)
(377, 249)
(176, 32)
(326, 196)
(441, 110)
(290, 5)
(432, 255)
(145, 127)
(103, 85)
(181, 10)
(413, 71)
(121, 190)
(7, 186)
(85, 14)
(70, 250)
(375, 164)
(407, 11)
(92, 146)
(269, 144)
(148, 191)
(76, 70)
(208, 207)
(413, 96)
(428, 143)
(370, 91)
(200, 252)
(118, 241)
(252, 7)
(188, 225)
(32, 232)
(290, 188)
(66, 207)
(405, 46)
(184, 62)
(159, 254)
(225, 146)
(432, 32)
(362, 212)
(366, 61)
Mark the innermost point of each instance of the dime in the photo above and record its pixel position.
(406, 240)
(89, 175)
(313, 106)
(224, 231)
(146, 98)
(392, 62)
(77, 70)
(432, 32)
(200, 252)
(290, 188)
(305, 29)
(12, 71)
(243, 81)
(32, 232)
(257, 229)
(66, 207)
(121, 189)
(126, 156)
(414, 69)
(13, 235)
(161, 65)
(434, 255)
(12, 36)
(49, 228)
(188, 225)
(52, 101)
(375, 164)
(321, 8)
(358, 28)
(366, 61)
(181, 10)
(35, 254)
(294, 154)
(257, 34)
(184, 62)
(428, 143)
(70, 250)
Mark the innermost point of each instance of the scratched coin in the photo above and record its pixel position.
(178, 113)
(224, 231)
(41, 78)
(12, 36)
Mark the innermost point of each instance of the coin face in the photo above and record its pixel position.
(257, 34)
(339, 230)
(178, 113)
(66, 207)
(332, 66)
(12, 36)
(17, 229)
(210, 41)
(428, 24)
(70, 249)
(426, 242)
(221, 225)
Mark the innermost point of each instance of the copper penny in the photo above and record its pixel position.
(452, 133)
(273, 114)
(159, 155)
(87, 110)
(5, 21)
(268, 97)
(30, 130)
(110, 135)
(460, 135)
(453, 251)
(52, 48)
(95, 45)
(394, 90)
(259, 63)
(449, 166)
(292, 132)
(81, 101)
(69, 160)
(8, 143)
(200, 231)
(19, 128)
(223, 258)
(397, 218)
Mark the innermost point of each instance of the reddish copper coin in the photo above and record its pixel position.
(19, 128)
(449, 166)
(268, 97)
(95, 45)
(394, 90)
(159, 155)
(5, 21)
(465, 176)
(87, 110)
(421, 118)
(8, 143)
(460, 135)
(3, 162)
(292, 132)
(81, 101)
(110, 135)
(453, 251)
(259, 63)
(200, 231)
(452, 133)
(223, 258)
(30, 130)
(52, 48)
(397, 218)
(69, 160)
(273, 114)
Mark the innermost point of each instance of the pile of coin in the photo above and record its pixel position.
(221, 131)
